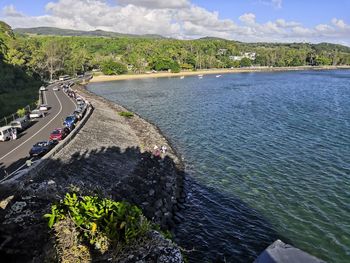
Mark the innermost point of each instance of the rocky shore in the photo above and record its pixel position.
(111, 156)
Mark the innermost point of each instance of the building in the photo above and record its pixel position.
(250, 55)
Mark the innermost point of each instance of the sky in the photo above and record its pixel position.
(243, 20)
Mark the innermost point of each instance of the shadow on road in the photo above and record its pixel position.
(4, 171)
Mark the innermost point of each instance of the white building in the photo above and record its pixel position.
(250, 55)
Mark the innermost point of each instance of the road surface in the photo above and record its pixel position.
(15, 153)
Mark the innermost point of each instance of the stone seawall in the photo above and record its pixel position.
(111, 156)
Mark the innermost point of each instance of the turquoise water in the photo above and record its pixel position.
(268, 156)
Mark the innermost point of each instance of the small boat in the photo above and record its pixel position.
(200, 76)
(218, 76)
(182, 77)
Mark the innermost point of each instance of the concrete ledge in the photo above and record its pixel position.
(280, 252)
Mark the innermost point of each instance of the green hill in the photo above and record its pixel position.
(54, 31)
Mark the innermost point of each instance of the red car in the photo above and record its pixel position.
(58, 134)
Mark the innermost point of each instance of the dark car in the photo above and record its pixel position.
(41, 148)
(70, 121)
(59, 133)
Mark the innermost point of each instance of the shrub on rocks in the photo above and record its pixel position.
(126, 114)
(102, 223)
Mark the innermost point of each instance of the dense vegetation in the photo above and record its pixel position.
(50, 56)
(18, 81)
(90, 221)
(30, 56)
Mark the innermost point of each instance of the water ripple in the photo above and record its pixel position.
(268, 156)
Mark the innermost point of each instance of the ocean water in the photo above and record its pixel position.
(267, 156)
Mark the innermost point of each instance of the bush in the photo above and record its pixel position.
(166, 64)
(175, 67)
(21, 112)
(111, 67)
(100, 220)
(126, 114)
(245, 62)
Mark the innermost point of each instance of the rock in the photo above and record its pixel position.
(158, 204)
(51, 182)
(18, 207)
(279, 252)
(6, 201)
(151, 192)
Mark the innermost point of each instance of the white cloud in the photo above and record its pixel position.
(276, 3)
(173, 18)
(156, 3)
(11, 11)
(283, 23)
(248, 18)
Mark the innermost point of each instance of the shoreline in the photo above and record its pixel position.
(111, 156)
(106, 78)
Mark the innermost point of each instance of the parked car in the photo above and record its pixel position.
(81, 103)
(44, 107)
(78, 114)
(59, 133)
(70, 121)
(43, 88)
(36, 114)
(42, 148)
(56, 88)
(21, 123)
(5, 133)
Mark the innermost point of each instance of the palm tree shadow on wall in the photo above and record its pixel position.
(140, 179)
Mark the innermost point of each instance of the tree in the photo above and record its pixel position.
(245, 62)
(54, 56)
(111, 67)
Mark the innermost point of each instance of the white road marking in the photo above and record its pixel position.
(38, 130)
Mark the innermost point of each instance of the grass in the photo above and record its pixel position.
(126, 114)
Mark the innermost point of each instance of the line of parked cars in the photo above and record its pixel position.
(20, 124)
(41, 148)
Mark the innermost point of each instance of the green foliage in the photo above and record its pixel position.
(21, 112)
(110, 67)
(98, 219)
(126, 114)
(321, 60)
(166, 64)
(245, 62)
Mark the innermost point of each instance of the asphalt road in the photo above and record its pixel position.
(14, 153)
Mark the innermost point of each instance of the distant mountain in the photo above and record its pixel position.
(54, 31)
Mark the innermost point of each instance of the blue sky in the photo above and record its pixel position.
(309, 12)
(245, 20)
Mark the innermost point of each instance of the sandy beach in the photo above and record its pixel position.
(104, 78)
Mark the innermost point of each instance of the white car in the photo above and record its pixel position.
(36, 114)
(44, 107)
(43, 88)
(56, 88)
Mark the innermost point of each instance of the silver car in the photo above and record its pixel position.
(36, 114)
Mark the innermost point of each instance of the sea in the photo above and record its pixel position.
(267, 157)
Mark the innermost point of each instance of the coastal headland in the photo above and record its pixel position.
(113, 157)
(103, 78)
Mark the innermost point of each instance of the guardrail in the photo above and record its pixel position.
(40, 164)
